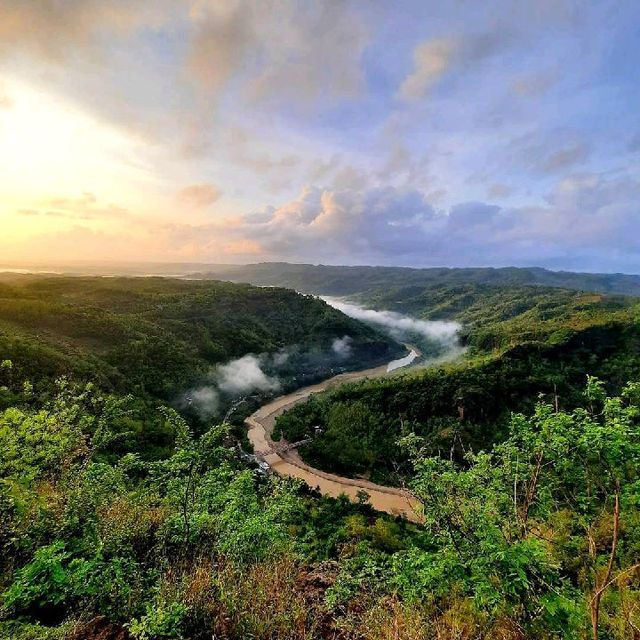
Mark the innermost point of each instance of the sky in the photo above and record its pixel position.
(416, 133)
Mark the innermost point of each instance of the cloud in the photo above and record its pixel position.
(280, 52)
(266, 97)
(361, 222)
(84, 207)
(250, 152)
(431, 61)
(436, 57)
(223, 34)
(550, 152)
(261, 373)
(343, 347)
(54, 29)
(565, 157)
(316, 56)
(235, 378)
(205, 401)
(178, 74)
(583, 214)
(589, 212)
(197, 196)
(399, 325)
(244, 375)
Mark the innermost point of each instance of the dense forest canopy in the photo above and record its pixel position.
(157, 336)
(538, 538)
(522, 342)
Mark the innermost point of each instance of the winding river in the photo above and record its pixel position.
(391, 500)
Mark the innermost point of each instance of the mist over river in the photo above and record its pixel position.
(435, 338)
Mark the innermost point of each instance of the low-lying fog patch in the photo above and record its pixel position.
(268, 372)
(400, 326)
(245, 374)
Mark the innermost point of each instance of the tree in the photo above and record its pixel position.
(508, 524)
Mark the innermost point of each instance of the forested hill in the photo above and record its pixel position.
(156, 336)
(499, 317)
(344, 281)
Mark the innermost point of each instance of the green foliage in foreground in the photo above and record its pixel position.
(537, 538)
(548, 517)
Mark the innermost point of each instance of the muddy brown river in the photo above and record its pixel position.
(391, 500)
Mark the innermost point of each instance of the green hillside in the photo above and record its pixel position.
(537, 539)
(156, 336)
(498, 317)
(120, 521)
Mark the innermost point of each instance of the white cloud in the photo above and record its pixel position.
(399, 325)
(244, 375)
(205, 400)
(431, 61)
(584, 214)
(135, 101)
(234, 378)
(343, 347)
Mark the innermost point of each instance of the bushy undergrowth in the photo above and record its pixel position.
(538, 538)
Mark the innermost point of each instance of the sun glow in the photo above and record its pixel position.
(50, 149)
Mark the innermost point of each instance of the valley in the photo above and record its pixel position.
(285, 461)
(418, 441)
